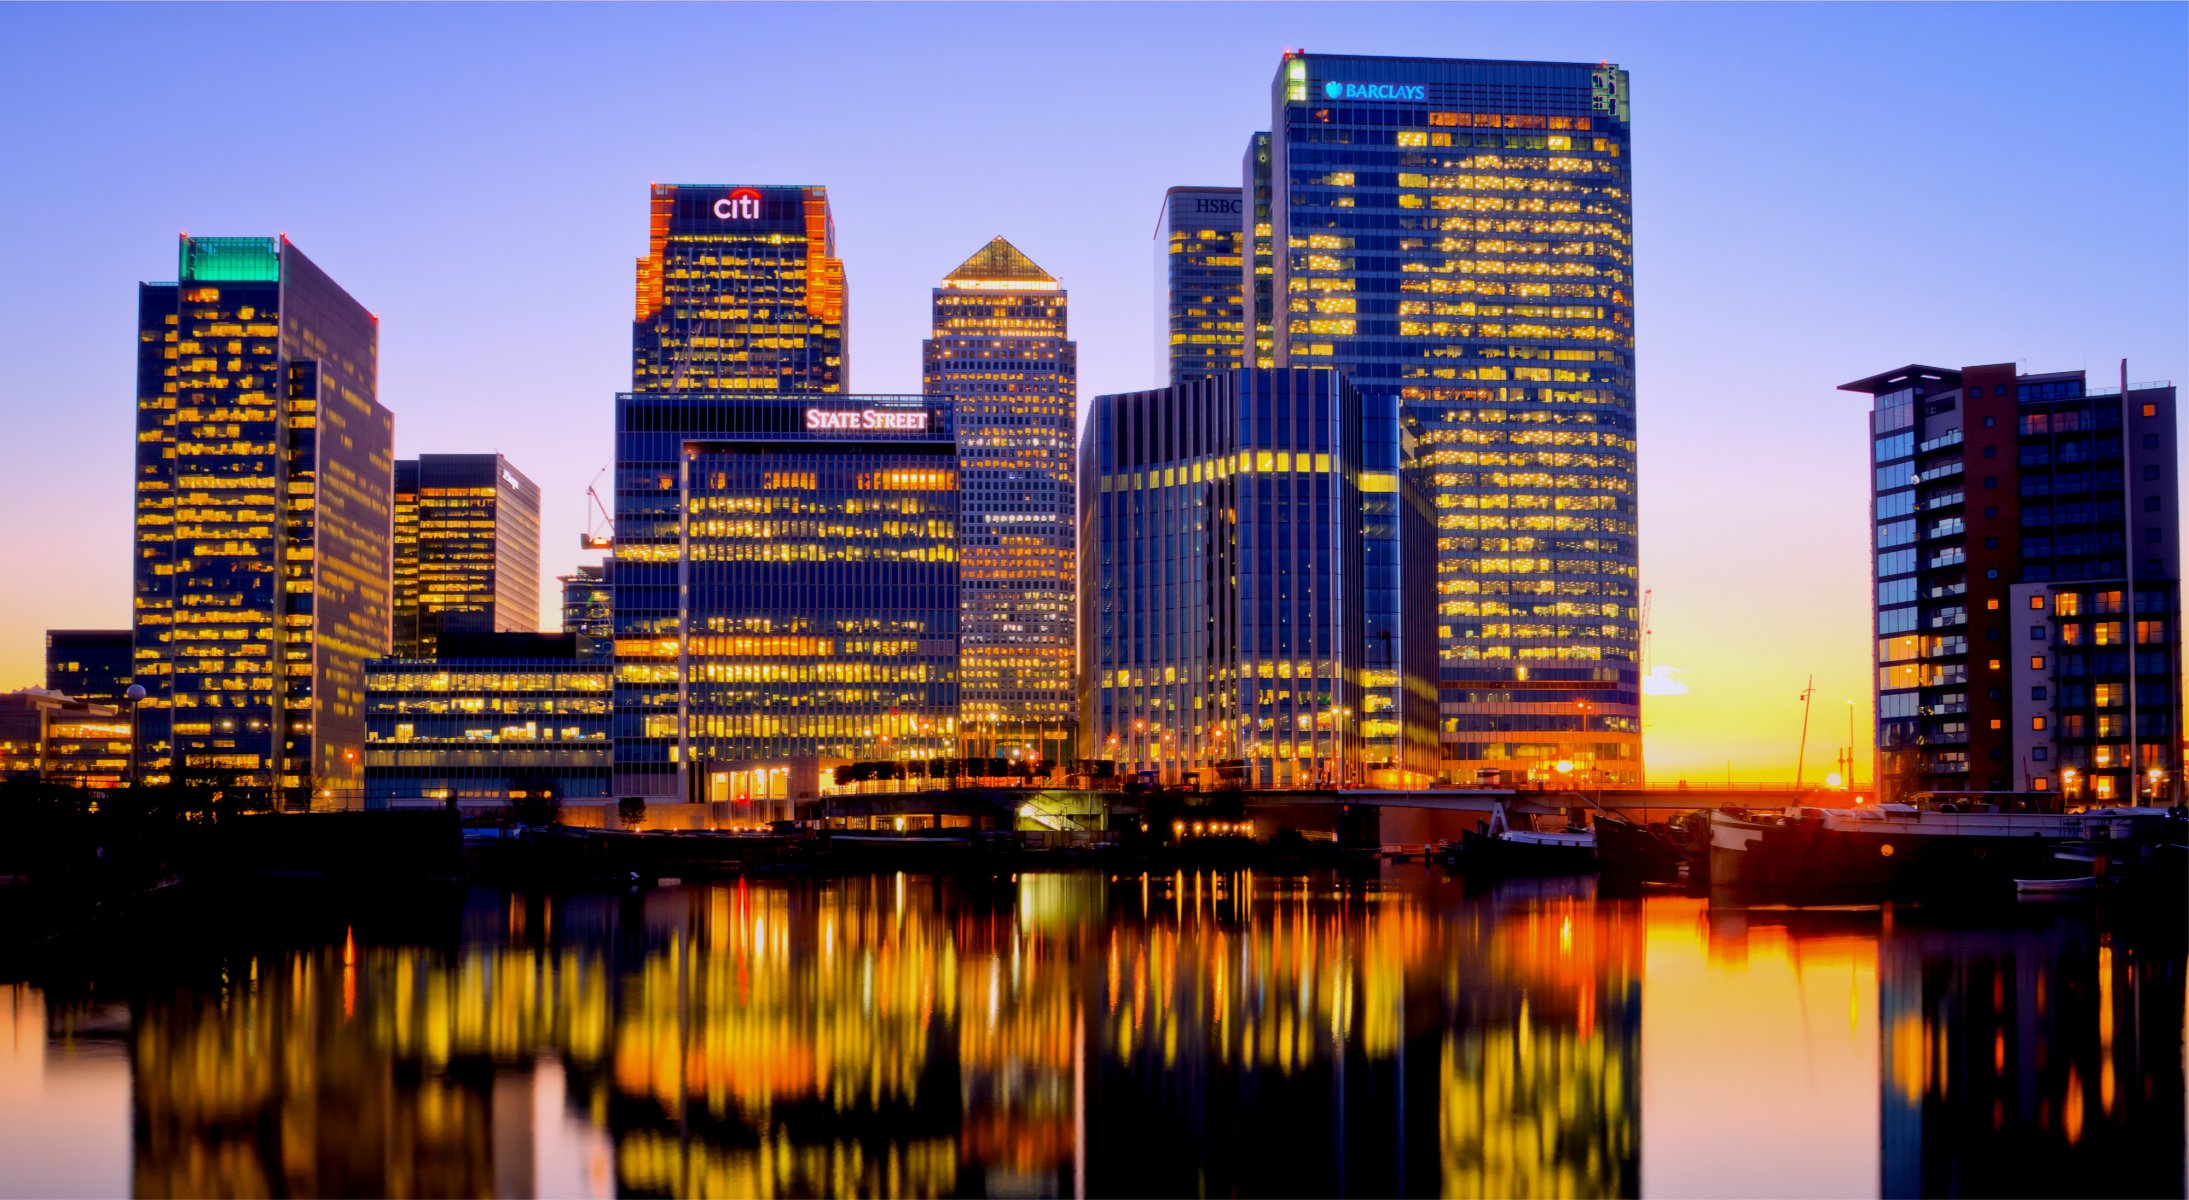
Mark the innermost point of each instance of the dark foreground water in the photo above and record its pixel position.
(1219, 1033)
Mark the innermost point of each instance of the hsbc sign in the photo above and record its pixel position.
(740, 205)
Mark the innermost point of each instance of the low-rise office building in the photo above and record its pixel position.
(63, 739)
(89, 664)
(493, 718)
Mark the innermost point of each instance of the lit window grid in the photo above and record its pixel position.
(257, 602)
(1003, 357)
(1531, 229)
(486, 729)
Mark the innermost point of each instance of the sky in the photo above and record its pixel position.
(1821, 192)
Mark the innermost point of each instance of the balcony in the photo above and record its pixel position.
(1943, 440)
(1943, 500)
(1944, 470)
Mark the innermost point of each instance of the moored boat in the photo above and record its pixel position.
(1502, 850)
(1888, 851)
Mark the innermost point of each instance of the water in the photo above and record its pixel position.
(1066, 1034)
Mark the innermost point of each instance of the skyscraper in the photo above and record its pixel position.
(467, 549)
(2027, 577)
(1458, 233)
(263, 519)
(1200, 319)
(1001, 355)
(740, 291)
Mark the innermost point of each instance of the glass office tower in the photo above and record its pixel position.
(786, 593)
(1458, 233)
(1001, 354)
(1223, 581)
(89, 664)
(467, 549)
(1200, 318)
(263, 520)
(740, 291)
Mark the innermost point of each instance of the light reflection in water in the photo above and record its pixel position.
(1079, 1033)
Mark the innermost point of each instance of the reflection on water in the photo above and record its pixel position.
(1076, 1034)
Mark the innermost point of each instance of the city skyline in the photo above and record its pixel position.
(1781, 496)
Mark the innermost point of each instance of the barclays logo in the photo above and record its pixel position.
(1375, 91)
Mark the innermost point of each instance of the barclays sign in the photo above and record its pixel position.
(1375, 91)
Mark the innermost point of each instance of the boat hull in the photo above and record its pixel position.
(1631, 855)
(1813, 862)
(1489, 856)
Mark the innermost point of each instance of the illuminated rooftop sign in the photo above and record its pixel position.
(740, 205)
(865, 420)
(1375, 91)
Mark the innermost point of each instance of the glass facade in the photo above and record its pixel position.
(1200, 318)
(495, 718)
(1458, 233)
(586, 604)
(1223, 581)
(89, 664)
(1001, 356)
(263, 519)
(1254, 291)
(1398, 550)
(740, 291)
(785, 588)
(467, 549)
(2026, 576)
(64, 740)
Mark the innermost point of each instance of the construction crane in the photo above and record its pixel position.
(1646, 593)
(600, 526)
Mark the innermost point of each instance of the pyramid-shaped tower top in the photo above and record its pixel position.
(999, 265)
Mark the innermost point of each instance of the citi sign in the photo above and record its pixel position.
(740, 205)
(865, 420)
(1375, 91)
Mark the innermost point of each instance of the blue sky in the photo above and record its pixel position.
(1821, 191)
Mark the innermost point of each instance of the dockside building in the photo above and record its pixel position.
(2026, 574)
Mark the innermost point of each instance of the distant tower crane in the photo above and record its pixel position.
(1646, 594)
(600, 527)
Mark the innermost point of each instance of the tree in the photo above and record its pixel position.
(631, 810)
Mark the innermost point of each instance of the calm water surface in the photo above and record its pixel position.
(1213, 1033)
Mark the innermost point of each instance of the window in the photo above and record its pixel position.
(1991, 452)
(2150, 410)
(1990, 421)
(2036, 601)
(1992, 605)
(2036, 662)
(1995, 722)
(1991, 481)
(2150, 504)
(2040, 754)
(2037, 693)
(2037, 723)
(2000, 390)
(2151, 534)
(2036, 633)
(2065, 604)
(2150, 472)
(1995, 664)
(1991, 512)
(2150, 441)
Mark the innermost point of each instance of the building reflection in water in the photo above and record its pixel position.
(1072, 1034)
